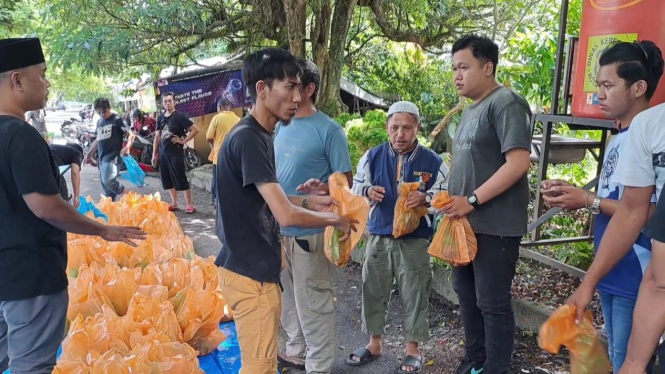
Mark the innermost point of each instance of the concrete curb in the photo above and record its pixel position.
(529, 316)
(201, 177)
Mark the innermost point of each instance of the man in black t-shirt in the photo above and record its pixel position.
(251, 204)
(110, 135)
(34, 220)
(68, 155)
(172, 126)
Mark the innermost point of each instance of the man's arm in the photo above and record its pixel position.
(93, 149)
(517, 164)
(193, 130)
(155, 143)
(287, 214)
(362, 181)
(650, 312)
(76, 179)
(622, 231)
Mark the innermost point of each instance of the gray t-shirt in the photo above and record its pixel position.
(488, 129)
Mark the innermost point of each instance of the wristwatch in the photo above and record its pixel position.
(305, 202)
(428, 199)
(594, 208)
(473, 200)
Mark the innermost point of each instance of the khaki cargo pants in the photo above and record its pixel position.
(307, 304)
(256, 307)
(407, 262)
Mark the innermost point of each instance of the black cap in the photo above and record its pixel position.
(20, 53)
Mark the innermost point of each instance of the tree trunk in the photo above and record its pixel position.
(320, 37)
(331, 103)
(296, 17)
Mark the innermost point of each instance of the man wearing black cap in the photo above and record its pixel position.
(34, 220)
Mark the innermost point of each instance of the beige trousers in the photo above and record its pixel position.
(307, 304)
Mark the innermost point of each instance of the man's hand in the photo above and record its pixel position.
(458, 208)
(123, 234)
(546, 187)
(125, 151)
(313, 187)
(567, 197)
(375, 193)
(581, 299)
(76, 202)
(177, 140)
(346, 225)
(155, 160)
(322, 203)
(415, 199)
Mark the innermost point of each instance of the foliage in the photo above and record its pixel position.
(148, 35)
(365, 133)
(76, 85)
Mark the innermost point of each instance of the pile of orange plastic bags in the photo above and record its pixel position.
(151, 309)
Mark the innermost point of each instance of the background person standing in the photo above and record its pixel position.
(220, 126)
(174, 129)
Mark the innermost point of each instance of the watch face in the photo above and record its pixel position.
(472, 199)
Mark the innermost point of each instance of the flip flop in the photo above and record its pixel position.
(173, 208)
(284, 363)
(190, 210)
(364, 355)
(414, 362)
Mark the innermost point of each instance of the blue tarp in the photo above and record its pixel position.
(224, 360)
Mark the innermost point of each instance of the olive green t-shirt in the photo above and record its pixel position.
(488, 129)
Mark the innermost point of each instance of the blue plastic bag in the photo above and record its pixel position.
(134, 174)
(87, 206)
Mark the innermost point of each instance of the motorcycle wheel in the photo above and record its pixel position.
(192, 159)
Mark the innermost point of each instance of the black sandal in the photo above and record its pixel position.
(364, 355)
(414, 362)
(284, 363)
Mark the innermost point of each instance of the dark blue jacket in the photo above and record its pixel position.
(383, 166)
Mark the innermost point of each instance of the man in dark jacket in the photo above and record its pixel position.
(380, 171)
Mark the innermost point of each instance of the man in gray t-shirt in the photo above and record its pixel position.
(488, 184)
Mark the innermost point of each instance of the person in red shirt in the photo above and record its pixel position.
(140, 120)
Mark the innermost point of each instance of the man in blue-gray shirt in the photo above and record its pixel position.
(312, 146)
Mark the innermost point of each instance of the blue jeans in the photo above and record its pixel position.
(618, 314)
(108, 174)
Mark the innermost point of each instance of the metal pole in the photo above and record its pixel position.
(547, 128)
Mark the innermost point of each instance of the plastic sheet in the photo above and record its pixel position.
(134, 174)
(454, 241)
(88, 206)
(352, 206)
(587, 354)
(406, 219)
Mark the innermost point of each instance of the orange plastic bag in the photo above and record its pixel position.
(167, 356)
(352, 206)
(153, 315)
(119, 285)
(199, 314)
(406, 219)
(454, 241)
(587, 355)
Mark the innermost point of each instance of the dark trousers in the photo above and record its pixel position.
(213, 187)
(484, 291)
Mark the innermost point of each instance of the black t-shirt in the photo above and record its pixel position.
(65, 155)
(33, 254)
(110, 135)
(245, 225)
(176, 124)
